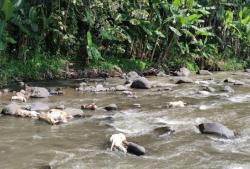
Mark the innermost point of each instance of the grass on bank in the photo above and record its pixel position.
(31, 69)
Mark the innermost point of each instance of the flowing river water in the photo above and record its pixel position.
(27, 143)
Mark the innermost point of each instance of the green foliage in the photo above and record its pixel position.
(34, 69)
(125, 64)
(173, 33)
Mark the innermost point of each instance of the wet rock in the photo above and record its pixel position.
(228, 89)
(19, 98)
(175, 104)
(38, 92)
(11, 109)
(72, 112)
(216, 129)
(91, 106)
(151, 72)
(204, 72)
(38, 106)
(182, 72)
(141, 83)
(111, 107)
(121, 88)
(135, 149)
(183, 80)
(163, 130)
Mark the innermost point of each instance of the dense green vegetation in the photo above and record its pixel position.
(38, 36)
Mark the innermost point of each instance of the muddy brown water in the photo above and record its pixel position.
(80, 144)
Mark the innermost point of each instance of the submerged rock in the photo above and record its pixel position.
(111, 107)
(73, 112)
(163, 130)
(141, 83)
(38, 106)
(216, 129)
(183, 80)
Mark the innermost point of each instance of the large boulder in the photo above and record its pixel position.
(135, 149)
(141, 83)
(216, 129)
(39, 92)
(11, 109)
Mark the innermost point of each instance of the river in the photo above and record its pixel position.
(27, 143)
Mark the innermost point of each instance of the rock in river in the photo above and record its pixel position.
(216, 129)
(135, 149)
(204, 72)
(163, 130)
(183, 80)
(38, 92)
(111, 107)
(141, 83)
(182, 72)
(11, 109)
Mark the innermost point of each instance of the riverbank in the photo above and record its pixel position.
(44, 67)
